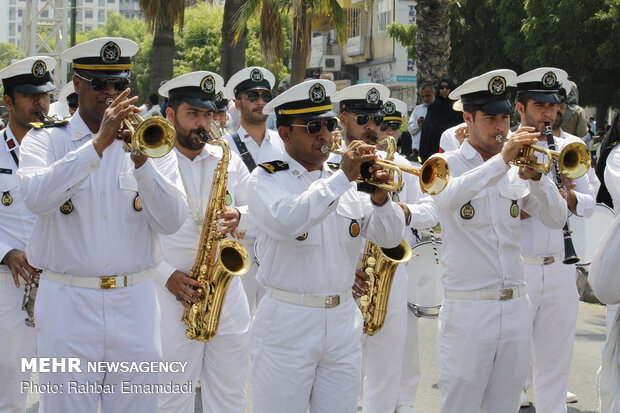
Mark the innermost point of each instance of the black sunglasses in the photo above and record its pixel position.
(99, 84)
(253, 96)
(444, 87)
(363, 119)
(394, 126)
(314, 126)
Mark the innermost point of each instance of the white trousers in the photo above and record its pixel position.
(555, 302)
(483, 349)
(16, 341)
(411, 371)
(305, 357)
(383, 353)
(220, 364)
(120, 324)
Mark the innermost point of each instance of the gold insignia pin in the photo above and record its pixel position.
(7, 199)
(67, 207)
(467, 211)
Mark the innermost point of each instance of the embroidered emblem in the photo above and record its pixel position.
(110, 53)
(497, 86)
(7, 199)
(67, 207)
(39, 68)
(372, 96)
(219, 96)
(207, 84)
(274, 166)
(228, 199)
(317, 93)
(389, 108)
(256, 76)
(302, 237)
(549, 80)
(354, 228)
(137, 204)
(467, 211)
(514, 209)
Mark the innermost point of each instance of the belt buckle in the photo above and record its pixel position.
(548, 260)
(332, 301)
(107, 282)
(505, 294)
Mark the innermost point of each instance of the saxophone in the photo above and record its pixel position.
(217, 260)
(380, 266)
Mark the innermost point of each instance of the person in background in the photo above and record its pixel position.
(427, 95)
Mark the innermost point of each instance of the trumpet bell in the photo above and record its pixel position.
(574, 160)
(434, 175)
(155, 137)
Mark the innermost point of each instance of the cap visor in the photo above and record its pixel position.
(370, 112)
(497, 108)
(29, 89)
(200, 103)
(543, 97)
(323, 115)
(106, 74)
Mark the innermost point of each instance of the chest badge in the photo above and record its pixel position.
(67, 207)
(137, 204)
(354, 228)
(395, 197)
(7, 199)
(302, 237)
(467, 211)
(514, 209)
(228, 199)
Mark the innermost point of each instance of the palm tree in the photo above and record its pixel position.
(232, 50)
(433, 39)
(301, 12)
(162, 15)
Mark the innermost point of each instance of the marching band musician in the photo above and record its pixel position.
(483, 340)
(220, 364)
(99, 212)
(251, 88)
(311, 222)
(551, 284)
(27, 84)
(364, 109)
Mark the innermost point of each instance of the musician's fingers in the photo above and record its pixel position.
(24, 275)
(15, 277)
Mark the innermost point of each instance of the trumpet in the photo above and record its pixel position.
(433, 175)
(573, 161)
(153, 137)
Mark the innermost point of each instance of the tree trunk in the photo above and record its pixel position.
(232, 55)
(300, 44)
(163, 54)
(433, 39)
(601, 115)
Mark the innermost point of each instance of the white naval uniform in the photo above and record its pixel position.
(552, 290)
(270, 149)
(16, 339)
(103, 236)
(483, 345)
(449, 141)
(310, 231)
(387, 360)
(220, 364)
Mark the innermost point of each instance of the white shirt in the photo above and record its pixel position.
(15, 220)
(306, 223)
(180, 248)
(414, 129)
(449, 141)
(612, 176)
(270, 149)
(537, 240)
(104, 235)
(484, 252)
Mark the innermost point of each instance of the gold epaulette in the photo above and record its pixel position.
(49, 123)
(274, 166)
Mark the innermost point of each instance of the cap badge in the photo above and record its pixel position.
(218, 97)
(256, 75)
(497, 86)
(208, 84)
(110, 53)
(39, 68)
(549, 80)
(373, 96)
(317, 93)
(389, 108)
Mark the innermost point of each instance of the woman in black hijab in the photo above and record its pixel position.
(609, 142)
(440, 116)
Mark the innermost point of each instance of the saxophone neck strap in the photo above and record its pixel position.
(246, 156)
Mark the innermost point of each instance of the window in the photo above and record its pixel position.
(20, 12)
(353, 22)
(88, 14)
(101, 3)
(384, 15)
(101, 18)
(12, 13)
(12, 29)
(88, 1)
(111, 1)
(45, 13)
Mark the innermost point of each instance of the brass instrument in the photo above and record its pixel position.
(153, 137)
(217, 259)
(573, 161)
(380, 265)
(433, 175)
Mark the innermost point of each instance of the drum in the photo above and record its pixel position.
(587, 232)
(425, 290)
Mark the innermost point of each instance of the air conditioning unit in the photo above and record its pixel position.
(331, 63)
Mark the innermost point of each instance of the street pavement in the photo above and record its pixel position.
(582, 380)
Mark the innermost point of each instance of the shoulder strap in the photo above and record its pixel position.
(13, 154)
(243, 151)
(274, 166)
